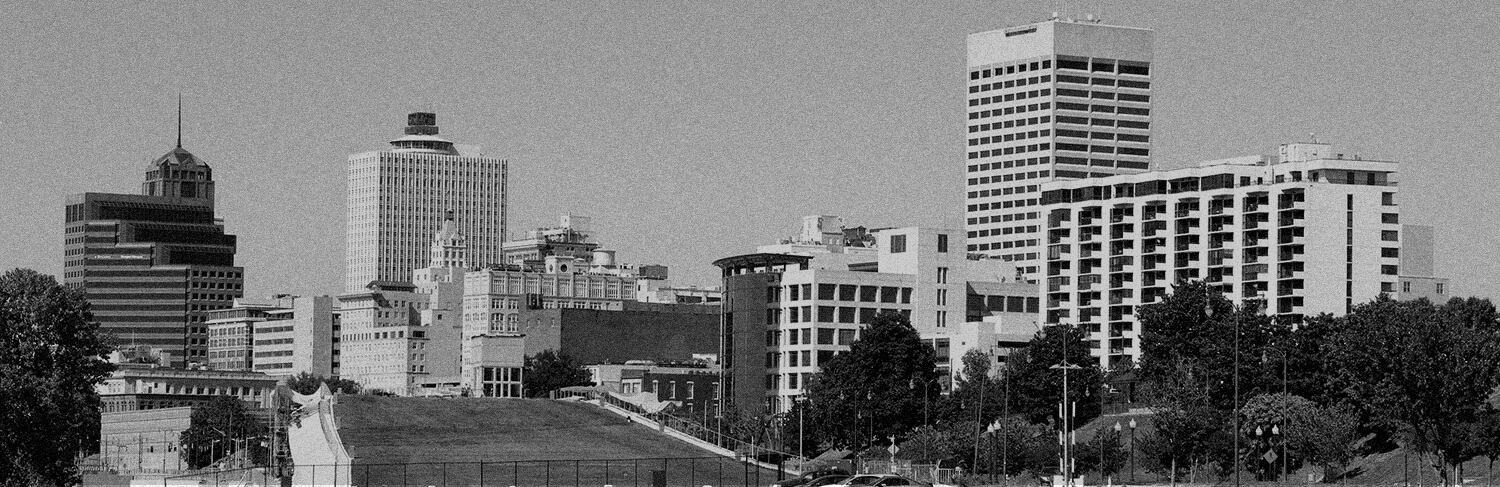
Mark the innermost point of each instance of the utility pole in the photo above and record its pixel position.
(1065, 411)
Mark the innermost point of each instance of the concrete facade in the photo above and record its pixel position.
(134, 388)
(143, 441)
(397, 197)
(1054, 100)
(787, 314)
(637, 331)
(1306, 232)
(1418, 278)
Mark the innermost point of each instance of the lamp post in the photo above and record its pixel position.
(1208, 311)
(1117, 432)
(1132, 450)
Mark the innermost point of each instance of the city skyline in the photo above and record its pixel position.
(694, 146)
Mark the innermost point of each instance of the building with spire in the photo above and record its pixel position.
(154, 264)
(397, 198)
(404, 336)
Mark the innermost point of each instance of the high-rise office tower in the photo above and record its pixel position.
(398, 198)
(154, 264)
(1055, 100)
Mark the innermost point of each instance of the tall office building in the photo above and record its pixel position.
(1054, 100)
(398, 198)
(154, 264)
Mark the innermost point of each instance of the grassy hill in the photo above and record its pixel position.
(459, 441)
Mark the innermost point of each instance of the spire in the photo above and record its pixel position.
(179, 120)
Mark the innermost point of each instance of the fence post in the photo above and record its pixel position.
(445, 474)
(515, 473)
(606, 472)
(404, 468)
(481, 473)
(548, 483)
(577, 474)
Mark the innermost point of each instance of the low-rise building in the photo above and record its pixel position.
(286, 337)
(134, 387)
(787, 314)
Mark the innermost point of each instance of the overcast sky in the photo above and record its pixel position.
(696, 130)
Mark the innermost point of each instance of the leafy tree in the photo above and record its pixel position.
(221, 428)
(929, 444)
(1301, 431)
(1195, 326)
(1035, 386)
(1104, 453)
(866, 393)
(549, 371)
(1421, 368)
(51, 358)
(1015, 445)
(1189, 430)
(307, 383)
(966, 397)
(1484, 438)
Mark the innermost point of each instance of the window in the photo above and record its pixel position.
(1390, 252)
(942, 297)
(690, 390)
(1406, 286)
(826, 314)
(1388, 199)
(825, 336)
(1440, 287)
(1391, 218)
(1388, 270)
(898, 244)
(1389, 236)
(942, 275)
(846, 337)
(827, 291)
(942, 242)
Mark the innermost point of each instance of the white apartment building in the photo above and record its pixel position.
(786, 314)
(1307, 232)
(1054, 100)
(397, 198)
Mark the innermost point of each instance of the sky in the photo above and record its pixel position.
(695, 130)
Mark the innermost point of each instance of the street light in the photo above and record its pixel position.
(926, 391)
(1132, 450)
(1117, 434)
(1208, 311)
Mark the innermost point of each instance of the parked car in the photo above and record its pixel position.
(826, 480)
(882, 480)
(810, 476)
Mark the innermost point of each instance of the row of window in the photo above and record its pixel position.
(1009, 97)
(993, 139)
(843, 292)
(1010, 69)
(986, 193)
(1102, 81)
(1105, 122)
(1104, 65)
(1102, 136)
(1003, 231)
(806, 336)
(1099, 149)
(1102, 95)
(827, 314)
(1084, 107)
(979, 220)
(1031, 161)
(1015, 83)
(1020, 149)
(1046, 105)
(1005, 124)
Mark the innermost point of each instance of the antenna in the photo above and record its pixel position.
(179, 120)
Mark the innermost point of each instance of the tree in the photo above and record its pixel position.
(1398, 361)
(1180, 330)
(1189, 430)
(966, 397)
(549, 371)
(1035, 385)
(52, 356)
(307, 383)
(867, 392)
(221, 428)
(1297, 431)
(1017, 445)
(1104, 452)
